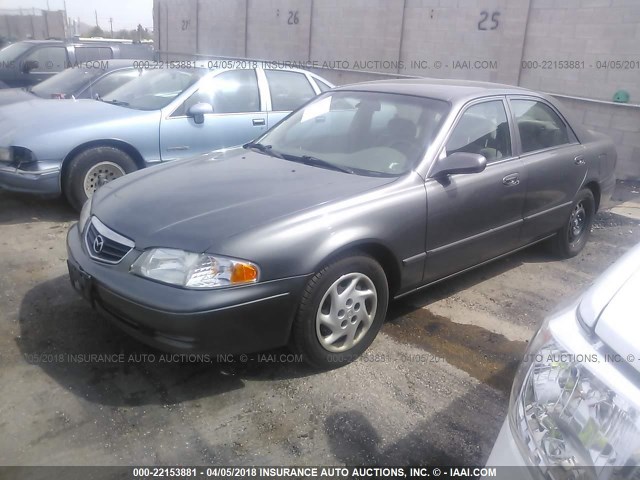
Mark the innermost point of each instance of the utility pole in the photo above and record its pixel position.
(111, 22)
(97, 24)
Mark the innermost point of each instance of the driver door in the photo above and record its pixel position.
(238, 117)
(478, 216)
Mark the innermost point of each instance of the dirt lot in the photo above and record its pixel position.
(432, 389)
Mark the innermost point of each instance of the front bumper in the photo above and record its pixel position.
(505, 453)
(43, 181)
(230, 320)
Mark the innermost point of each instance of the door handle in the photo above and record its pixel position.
(259, 122)
(579, 160)
(511, 180)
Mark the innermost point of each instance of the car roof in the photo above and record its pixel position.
(37, 42)
(441, 89)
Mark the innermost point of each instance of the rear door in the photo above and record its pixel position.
(474, 217)
(288, 90)
(238, 116)
(554, 162)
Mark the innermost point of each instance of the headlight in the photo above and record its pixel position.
(194, 270)
(85, 213)
(562, 415)
(5, 154)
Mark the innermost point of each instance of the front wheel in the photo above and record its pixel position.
(91, 169)
(341, 311)
(572, 237)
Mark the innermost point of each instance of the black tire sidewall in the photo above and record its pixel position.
(563, 247)
(73, 182)
(305, 339)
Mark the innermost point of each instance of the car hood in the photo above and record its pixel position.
(618, 326)
(194, 204)
(19, 121)
(15, 95)
(608, 307)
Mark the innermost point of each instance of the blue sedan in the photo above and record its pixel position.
(165, 114)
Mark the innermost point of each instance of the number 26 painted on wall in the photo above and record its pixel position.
(482, 24)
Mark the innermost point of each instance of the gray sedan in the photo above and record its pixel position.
(170, 111)
(369, 192)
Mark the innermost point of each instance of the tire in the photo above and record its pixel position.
(359, 315)
(568, 242)
(85, 168)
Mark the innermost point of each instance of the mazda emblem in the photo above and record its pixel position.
(98, 244)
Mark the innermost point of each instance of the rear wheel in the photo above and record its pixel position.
(341, 311)
(91, 169)
(573, 236)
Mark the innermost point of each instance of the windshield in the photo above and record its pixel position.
(13, 51)
(362, 132)
(153, 89)
(66, 83)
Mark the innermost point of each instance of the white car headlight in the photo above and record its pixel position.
(85, 213)
(6, 154)
(562, 415)
(194, 270)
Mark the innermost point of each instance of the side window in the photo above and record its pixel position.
(539, 126)
(233, 91)
(49, 59)
(85, 54)
(289, 90)
(483, 128)
(110, 82)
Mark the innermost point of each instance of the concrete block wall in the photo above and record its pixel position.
(452, 32)
(176, 25)
(591, 32)
(38, 26)
(279, 29)
(621, 123)
(362, 31)
(222, 28)
(517, 42)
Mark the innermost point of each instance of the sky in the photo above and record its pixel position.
(126, 13)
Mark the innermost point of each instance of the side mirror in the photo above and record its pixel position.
(459, 162)
(198, 111)
(29, 65)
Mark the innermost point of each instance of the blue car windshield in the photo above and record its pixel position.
(366, 133)
(153, 89)
(66, 83)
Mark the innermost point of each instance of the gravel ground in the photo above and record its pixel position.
(433, 388)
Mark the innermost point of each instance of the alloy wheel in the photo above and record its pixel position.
(346, 312)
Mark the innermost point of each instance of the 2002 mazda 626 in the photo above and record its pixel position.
(366, 193)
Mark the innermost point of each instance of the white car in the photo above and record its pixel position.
(575, 401)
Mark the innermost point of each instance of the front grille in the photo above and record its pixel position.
(105, 245)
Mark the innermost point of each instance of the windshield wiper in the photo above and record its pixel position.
(267, 149)
(317, 162)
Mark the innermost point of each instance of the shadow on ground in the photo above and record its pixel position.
(19, 208)
(59, 332)
(459, 435)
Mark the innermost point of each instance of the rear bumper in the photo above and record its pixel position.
(44, 182)
(230, 320)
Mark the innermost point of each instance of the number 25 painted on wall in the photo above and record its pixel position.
(484, 17)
